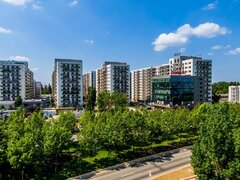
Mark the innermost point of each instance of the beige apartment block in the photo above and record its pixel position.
(113, 76)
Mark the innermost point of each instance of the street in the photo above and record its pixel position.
(149, 169)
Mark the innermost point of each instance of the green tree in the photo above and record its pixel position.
(49, 89)
(3, 143)
(52, 102)
(58, 137)
(18, 101)
(91, 100)
(103, 100)
(25, 139)
(2, 107)
(213, 153)
(222, 87)
(119, 100)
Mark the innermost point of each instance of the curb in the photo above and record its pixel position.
(131, 163)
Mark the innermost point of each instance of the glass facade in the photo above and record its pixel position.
(173, 89)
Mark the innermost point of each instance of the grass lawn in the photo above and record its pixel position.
(108, 158)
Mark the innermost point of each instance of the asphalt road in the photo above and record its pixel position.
(143, 170)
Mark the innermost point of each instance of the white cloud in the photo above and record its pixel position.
(73, 3)
(182, 50)
(210, 6)
(234, 52)
(89, 41)
(34, 69)
(210, 53)
(17, 2)
(183, 33)
(20, 58)
(5, 31)
(218, 47)
(37, 7)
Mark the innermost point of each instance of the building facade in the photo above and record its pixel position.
(234, 94)
(174, 90)
(30, 85)
(195, 66)
(113, 76)
(89, 80)
(141, 81)
(15, 80)
(141, 84)
(38, 90)
(67, 83)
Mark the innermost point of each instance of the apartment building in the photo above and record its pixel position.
(141, 81)
(202, 69)
(89, 80)
(141, 84)
(234, 94)
(113, 76)
(15, 80)
(67, 83)
(30, 85)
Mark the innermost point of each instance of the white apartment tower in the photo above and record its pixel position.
(67, 83)
(15, 80)
(89, 80)
(113, 76)
(234, 94)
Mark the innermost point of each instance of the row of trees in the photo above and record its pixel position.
(31, 147)
(216, 154)
(222, 87)
(105, 100)
(46, 89)
(120, 128)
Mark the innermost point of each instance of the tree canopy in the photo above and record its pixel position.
(222, 87)
(216, 152)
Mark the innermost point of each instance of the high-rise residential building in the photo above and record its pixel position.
(141, 81)
(38, 90)
(174, 90)
(113, 76)
(15, 80)
(89, 80)
(195, 66)
(234, 94)
(141, 84)
(30, 85)
(67, 83)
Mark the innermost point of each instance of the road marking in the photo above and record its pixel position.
(128, 174)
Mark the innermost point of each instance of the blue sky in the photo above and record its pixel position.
(141, 32)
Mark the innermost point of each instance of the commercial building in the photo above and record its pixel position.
(38, 90)
(15, 80)
(89, 80)
(234, 94)
(141, 81)
(195, 66)
(113, 76)
(67, 83)
(174, 90)
(201, 69)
